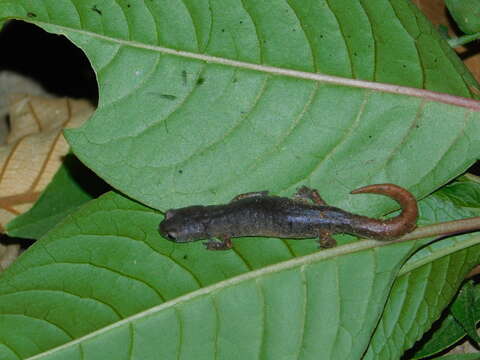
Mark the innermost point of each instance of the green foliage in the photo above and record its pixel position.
(448, 330)
(466, 14)
(463, 309)
(467, 17)
(202, 100)
(106, 263)
(427, 282)
(167, 119)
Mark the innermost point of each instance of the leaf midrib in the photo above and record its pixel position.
(328, 79)
(286, 265)
(282, 266)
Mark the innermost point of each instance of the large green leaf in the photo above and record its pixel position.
(463, 309)
(107, 263)
(201, 100)
(104, 284)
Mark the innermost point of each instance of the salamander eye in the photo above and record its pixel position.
(171, 235)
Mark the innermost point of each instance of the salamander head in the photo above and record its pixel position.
(184, 225)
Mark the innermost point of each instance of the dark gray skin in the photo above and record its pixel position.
(304, 216)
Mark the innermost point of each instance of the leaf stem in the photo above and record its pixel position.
(444, 229)
(267, 69)
(462, 40)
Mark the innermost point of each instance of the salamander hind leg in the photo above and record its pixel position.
(325, 240)
(249, 195)
(305, 193)
(224, 244)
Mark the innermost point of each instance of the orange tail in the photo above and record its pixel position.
(401, 224)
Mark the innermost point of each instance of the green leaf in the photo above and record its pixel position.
(463, 309)
(466, 14)
(255, 301)
(203, 100)
(419, 295)
(443, 31)
(429, 280)
(462, 40)
(464, 193)
(447, 332)
(107, 264)
(72, 186)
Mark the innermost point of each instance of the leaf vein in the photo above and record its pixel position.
(303, 326)
(433, 168)
(11, 348)
(137, 86)
(262, 158)
(342, 32)
(372, 85)
(350, 132)
(255, 26)
(154, 20)
(125, 18)
(79, 16)
(261, 342)
(115, 271)
(307, 37)
(180, 332)
(195, 29)
(131, 335)
(372, 32)
(230, 131)
(417, 50)
(396, 149)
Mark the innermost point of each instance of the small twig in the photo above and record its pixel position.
(446, 229)
(462, 40)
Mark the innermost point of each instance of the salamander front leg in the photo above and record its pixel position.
(224, 244)
(249, 195)
(310, 194)
(325, 239)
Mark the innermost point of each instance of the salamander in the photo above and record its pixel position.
(305, 215)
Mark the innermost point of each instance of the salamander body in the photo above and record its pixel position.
(306, 215)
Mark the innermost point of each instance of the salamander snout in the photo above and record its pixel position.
(166, 231)
(182, 225)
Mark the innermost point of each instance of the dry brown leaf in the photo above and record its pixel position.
(34, 148)
(12, 82)
(464, 348)
(8, 254)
